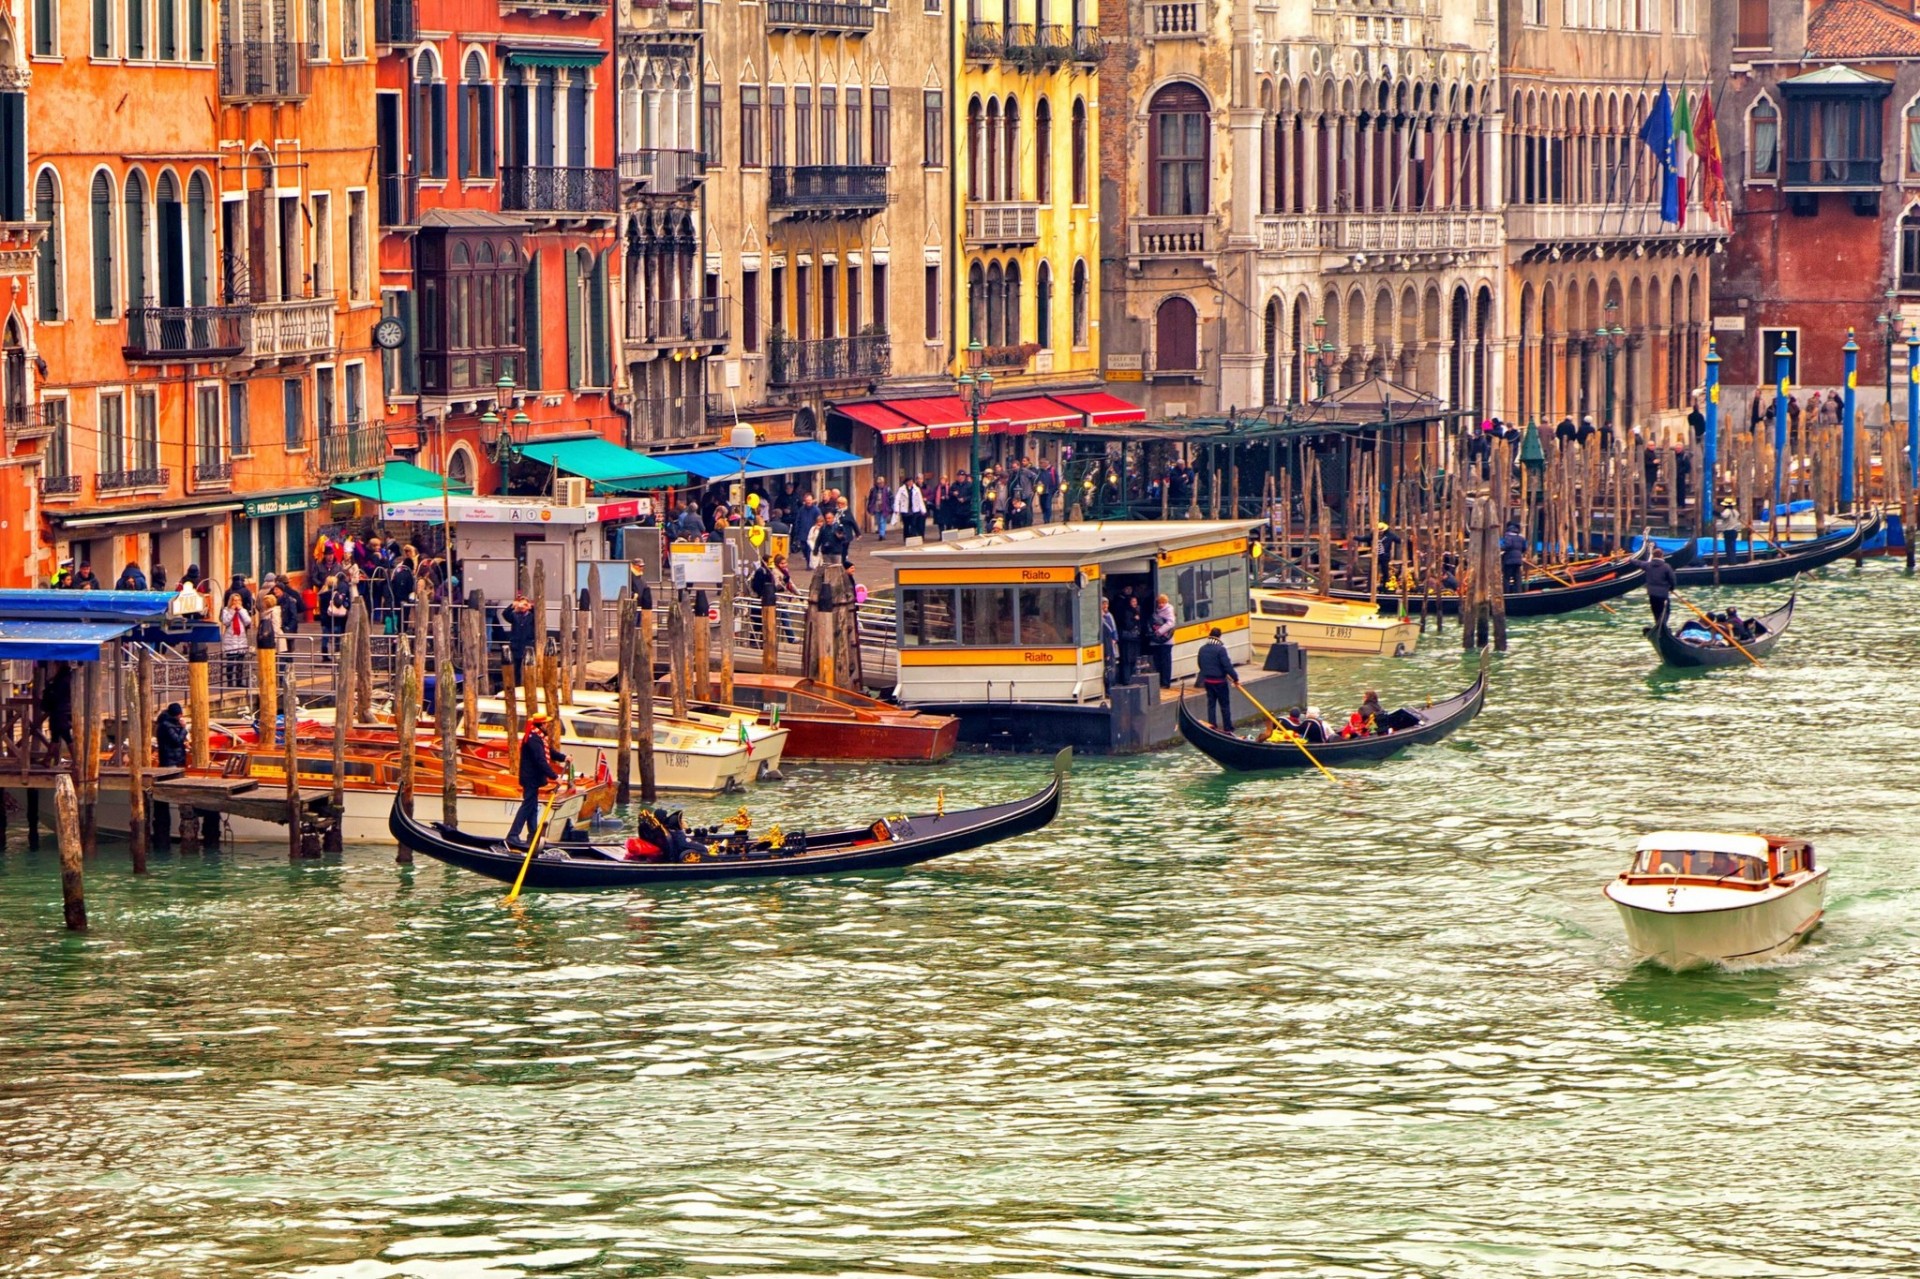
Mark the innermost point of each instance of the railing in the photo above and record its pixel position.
(293, 329)
(875, 624)
(59, 485)
(1020, 39)
(397, 199)
(662, 172)
(1088, 46)
(1168, 237)
(1557, 223)
(1851, 171)
(33, 421)
(1007, 222)
(983, 40)
(857, 189)
(822, 15)
(1038, 47)
(663, 419)
(185, 332)
(795, 360)
(150, 477)
(676, 320)
(211, 473)
(562, 7)
(545, 189)
(357, 448)
(394, 22)
(1178, 20)
(264, 70)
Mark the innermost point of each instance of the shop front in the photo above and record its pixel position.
(499, 541)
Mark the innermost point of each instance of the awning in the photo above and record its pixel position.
(1102, 409)
(70, 626)
(145, 515)
(768, 459)
(573, 58)
(605, 463)
(1038, 413)
(892, 427)
(31, 641)
(400, 482)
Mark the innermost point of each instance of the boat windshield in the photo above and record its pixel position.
(1700, 865)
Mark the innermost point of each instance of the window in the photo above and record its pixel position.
(325, 424)
(356, 389)
(853, 298)
(136, 225)
(1176, 152)
(317, 30)
(1043, 152)
(986, 616)
(113, 433)
(57, 461)
(802, 301)
(146, 431)
(750, 126)
(100, 210)
(829, 126)
(1910, 251)
(1534, 13)
(529, 329)
(599, 330)
(976, 152)
(1771, 341)
(1208, 590)
(879, 303)
(1080, 305)
(102, 28)
(927, 617)
(880, 135)
(239, 425)
(209, 442)
(1913, 140)
(49, 260)
(933, 303)
(579, 280)
(750, 311)
(1176, 335)
(469, 303)
(169, 30)
(776, 126)
(802, 126)
(1043, 304)
(357, 246)
(322, 214)
(46, 28)
(353, 30)
(477, 150)
(777, 300)
(855, 127)
(196, 30)
(712, 132)
(1079, 145)
(1834, 140)
(829, 301)
(1763, 141)
(429, 117)
(933, 128)
(1752, 29)
(293, 413)
(137, 29)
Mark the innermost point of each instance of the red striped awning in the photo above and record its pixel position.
(948, 415)
(891, 427)
(1037, 413)
(1103, 409)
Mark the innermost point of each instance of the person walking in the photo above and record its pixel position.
(1660, 583)
(1218, 677)
(1160, 640)
(910, 504)
(880, 506)
(536, 772)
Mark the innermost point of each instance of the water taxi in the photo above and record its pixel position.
(700, 755)
(1693, 898)
(1335, 628)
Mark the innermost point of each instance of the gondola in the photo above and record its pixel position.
(1412, 726)
(1675, 651)
(1533, 603)
(1779, 565)
(889, 843)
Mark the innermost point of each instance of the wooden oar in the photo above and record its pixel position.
(1288, 735)
(1724, 632)
(1565, 581)
(533, 845)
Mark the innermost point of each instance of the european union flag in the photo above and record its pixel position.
(1659, 136)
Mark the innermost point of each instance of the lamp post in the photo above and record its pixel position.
(1320, 350)
(978, 389)
(1710, 447)
(1852, 350)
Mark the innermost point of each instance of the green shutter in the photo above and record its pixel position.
(530, 323)
(243, 547)
(575, 346)
(600, 350)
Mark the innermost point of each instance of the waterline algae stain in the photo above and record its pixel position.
(1201, 1025)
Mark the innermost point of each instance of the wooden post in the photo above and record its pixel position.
(476, 659)
(643, 701)
(268, 660)
(290, 758)
(135, 741)
(623, 701)
(91, 729)
(677, 653)
(346, 680)
(443, 704)
(769, 639)
(73, 894)
(726, 639)
(360, 624)
(566, 648)
(531, 672)
(407, 718)
(586, 627)
(550, 685)
(422, 631)
(701, 666)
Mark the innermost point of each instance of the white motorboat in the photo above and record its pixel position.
(1330, 627)
(1693, 898)
(736, 723)
(690, 757)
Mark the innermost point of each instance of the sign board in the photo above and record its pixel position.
(698, 564)
(495, 510)
(1124, 362)
(282, 504)
(1125, 375)
(1729, 324)
(631, 508)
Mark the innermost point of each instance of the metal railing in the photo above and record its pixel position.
(856, 189)
(556, 189)
(265, 70)
(1088, 46)
(983, 40)
(1003, 222)
(654, 171)
(211, 473)
(1846, 171)
(356, 448)
(797, 360)
(59, 485)
(34, 421)
(661, 419)
(394, 22)
(675, 320)
(294, 328)
(874, 622)
(823, 15)
(185, 332)
(149, 477)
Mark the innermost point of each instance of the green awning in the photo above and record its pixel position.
(554, 58)
(606, 464)
(399, 482)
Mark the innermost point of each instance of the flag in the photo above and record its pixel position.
(1657, 133)
(1682, 142)
(1706, 145)
(601, 773)
(743, 737)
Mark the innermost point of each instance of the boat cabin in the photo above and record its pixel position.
(1719, 860)
(1016, 615)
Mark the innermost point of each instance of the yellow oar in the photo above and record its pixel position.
(1723, 632)
(1564, 581)
(1288, 735)
(533, 845)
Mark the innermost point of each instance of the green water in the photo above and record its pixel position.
(1199, 1027)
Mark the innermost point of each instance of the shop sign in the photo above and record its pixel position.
(468, 510)
(284, 504)
(630, 509)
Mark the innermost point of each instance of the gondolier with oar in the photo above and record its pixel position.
(1660, 583)
(538, 769)
(1218, 676)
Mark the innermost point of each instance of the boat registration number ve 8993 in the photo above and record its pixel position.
(676, 759)
(1340, 632)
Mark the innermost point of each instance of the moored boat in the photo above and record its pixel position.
(1776, 564)
(1696, 643)
(824, 722)
(1535, 601)
(1332, 627)
(1408, 726)
(689, 756)
(1693, 898)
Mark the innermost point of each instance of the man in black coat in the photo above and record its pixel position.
(1132, 626)
(170, 734)
(1218, 677)
(1660, 582)
(536, 770)
(518, 619)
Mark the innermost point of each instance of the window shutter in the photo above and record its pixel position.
(440, 130)
(410, 349)
(600, 351)
(13, 157)
(573, 321)
(530, 302)
(487, 147)
(462, 124)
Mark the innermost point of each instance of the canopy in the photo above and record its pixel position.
(400, 482)
(605, 463)
(1102, 409)
(768, 459)
(1037, 413)
(46, 641)
(70, 626)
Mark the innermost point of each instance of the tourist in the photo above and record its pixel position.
(1682, 473)
(536, 771)
(1728, 526)
(1110, 646)
(236, 625)
(1160, 640)
(805, 517)
(1132, 627)
(1696, 420)
(518, 620)
(131, 579)
(336, 606)
(170, 741)
(1513, 554)
(880, 506)
(1660, 583)
(1566, 433)
(157, 579)
(56, 712)
(1372, 716)
(238, 586)
(83, 578)
(910, 504)
(266, 629)
(1217, 676)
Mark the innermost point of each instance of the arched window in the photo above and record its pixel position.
(200, 257)
(100, 219)
(429, 117)
(136, 239)
(1176, 336)
(1043, 152)
(170, 274)
(1913, 140)
(977, 304)
(1763, 141)
(1909, 253)
(996, 306)
(1010, 152)
(1079, 145)
(976, 153)
(1043, 305)
(460, 468)
(1013, 304)
(49, 258)
(1177, 152)
(993, 151)
(476, 119)
(1080, 304)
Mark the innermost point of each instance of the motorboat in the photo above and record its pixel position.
(1338, 628)
(1693, 898)
(690, 756)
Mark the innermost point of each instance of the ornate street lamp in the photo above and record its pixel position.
(977, 388)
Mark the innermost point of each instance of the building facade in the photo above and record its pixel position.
(24, 425)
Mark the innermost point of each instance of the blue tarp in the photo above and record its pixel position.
(39, 640)
(104, 606)
(767, 459)
(70, 626)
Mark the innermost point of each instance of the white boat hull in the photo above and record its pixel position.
(365, 822)
(1392, 638)
(1692, 926)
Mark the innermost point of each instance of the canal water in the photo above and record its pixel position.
(1200, 1027)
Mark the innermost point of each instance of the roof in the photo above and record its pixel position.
(400, 482)
(470, 220)
(70, 626)
(1069, 543)
(607, 464)
(1860, 29)
(1703, 841)
(766, 459)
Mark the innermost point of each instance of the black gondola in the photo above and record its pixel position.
(1777, 566)
(887, 844)
(1415, 727)
(1531, 603)
(1676, 651)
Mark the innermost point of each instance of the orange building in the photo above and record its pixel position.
(497, 205)
(23, 427)
(204, 290)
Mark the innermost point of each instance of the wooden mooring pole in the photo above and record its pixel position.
(135, 740)
(73, 893)
(623, 703)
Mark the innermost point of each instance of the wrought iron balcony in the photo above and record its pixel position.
(150, 477)
(34, 421)
(671, 419)
(265, 70)
(551, 189)
(984, 42)
(212, 475)
(1088, 46)
(819, 15)
(296, 329)
(59, 486)
(398, 202)
(1037, 48)
(173, 333)
(352, 447)
(681, 321)
(660, 172)
(1846, 173)
(1002, 222)
(828, 190)
(395, 22)
(796, 361)
(557, 8)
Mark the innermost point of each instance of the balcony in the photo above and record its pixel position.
(1179, 20)
(797, 362)
(681, 322)
(353, 447)
(212, 475)
(398, 205)
(264, 71)
(28, 422)
(555, 8)
(1008, 223)
(59, 486)
(819, 15)
(170, 334)
(828, 190)
(394, 23)
(1012, 358)
(663, 419)
(1089, 49)
(983, 41)
(1038, 48)
(1846, 173)
(546, 189)
(655, 172)
(150, 477)
(1168, 237)
(296, 329)
(1552, 225)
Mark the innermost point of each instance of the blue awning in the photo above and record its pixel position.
(45, 641)
(768, 459)
(61, 625)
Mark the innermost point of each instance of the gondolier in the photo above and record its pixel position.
(536, 771)
(1660, 583)
(1218, 675)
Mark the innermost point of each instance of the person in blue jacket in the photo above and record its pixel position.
(1513, 553)
(1219, 677)
(537, 770)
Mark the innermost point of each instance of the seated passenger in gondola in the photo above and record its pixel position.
(1742, 628)
(1307, 728)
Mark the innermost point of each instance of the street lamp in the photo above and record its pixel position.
(978, 389)
(1611, 337)
(1320, 349)
(1889, 322)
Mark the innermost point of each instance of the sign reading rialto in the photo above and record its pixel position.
(282, 504)
(489, 510)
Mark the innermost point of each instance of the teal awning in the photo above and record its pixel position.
(554, 58)
(400, 482)
(606, 464)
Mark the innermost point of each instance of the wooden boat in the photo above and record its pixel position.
(1695, 644)
(1408, 726)
(826, 722)
(1539, 602)
(1693, 898)
(885, 844)
(1332, 627)
(689, 756)
(1776, 565)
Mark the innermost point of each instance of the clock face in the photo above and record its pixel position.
(390, 334)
